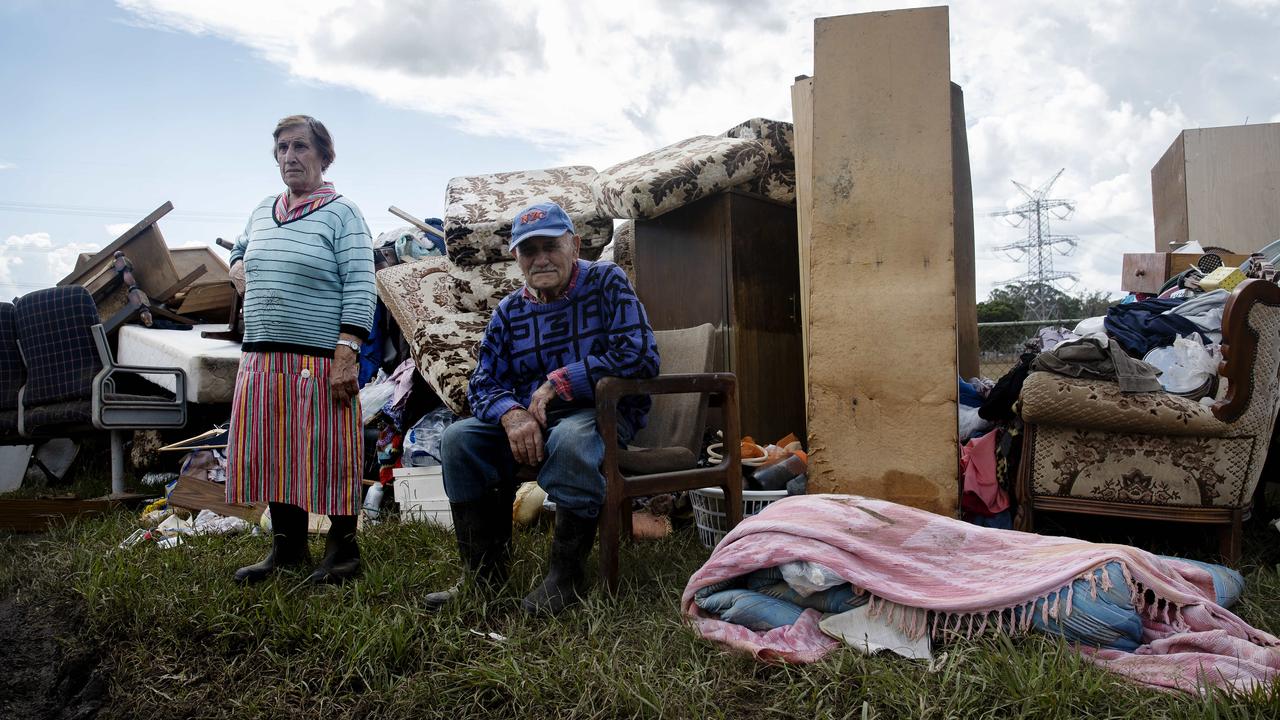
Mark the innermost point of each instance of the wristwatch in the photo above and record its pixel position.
(355, 346)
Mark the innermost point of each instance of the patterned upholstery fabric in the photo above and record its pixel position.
(53, 326)
(1144, 453)
(777, 137)
(677, 175)
(481, 288)
(13, 373)
(1052, 399)
(1145, 469)
(621, 251)
(443, 339)
(479, 208)
(778, 180)
(8, 423)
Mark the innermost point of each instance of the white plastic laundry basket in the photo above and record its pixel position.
(709, 512)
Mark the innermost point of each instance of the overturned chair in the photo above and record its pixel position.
(663, 455)
(1090, 449)
(71, 377)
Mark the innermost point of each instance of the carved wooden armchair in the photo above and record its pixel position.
(1090, 449)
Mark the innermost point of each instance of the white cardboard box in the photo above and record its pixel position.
(420, 492)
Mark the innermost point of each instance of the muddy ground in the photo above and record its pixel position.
(46, 670)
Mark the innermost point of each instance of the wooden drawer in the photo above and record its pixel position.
(1147, 272)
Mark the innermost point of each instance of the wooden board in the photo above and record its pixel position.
(144, 246)
(882, 308)
(210, 301)
(38, 515)
(966, 262)
(196, 495)
(187, 259)
(802, 120)
(1169, 197)
(1228, 179)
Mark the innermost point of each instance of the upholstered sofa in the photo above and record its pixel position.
(1088, 448)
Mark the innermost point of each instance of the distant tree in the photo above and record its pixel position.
(1009, 303)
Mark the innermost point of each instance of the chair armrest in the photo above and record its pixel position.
(611, 389)
(1240, 346)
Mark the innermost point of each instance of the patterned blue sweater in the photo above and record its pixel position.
(306, 280)
(599, 328)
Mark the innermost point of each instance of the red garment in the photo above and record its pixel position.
(982, 492)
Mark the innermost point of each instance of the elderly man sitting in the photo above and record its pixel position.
(533, 395)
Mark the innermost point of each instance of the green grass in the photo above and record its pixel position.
(178, 639)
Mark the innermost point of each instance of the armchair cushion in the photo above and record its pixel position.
(43, 418)
(650, 461)
(1052, 399)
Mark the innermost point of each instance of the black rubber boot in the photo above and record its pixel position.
(566, 580)
(288, 544)
(341, 561)
(483, 529)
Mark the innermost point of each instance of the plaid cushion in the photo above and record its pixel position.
(46, 419)
(12, 372)
(8, 423)
(53, 327)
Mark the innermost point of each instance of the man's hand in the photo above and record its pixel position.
(237, 276)
(538, 403)
(344, 374)
(525, 435)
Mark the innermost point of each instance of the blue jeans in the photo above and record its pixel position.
(476, 456)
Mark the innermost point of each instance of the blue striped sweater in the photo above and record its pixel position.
(306, 280)
(598, 328)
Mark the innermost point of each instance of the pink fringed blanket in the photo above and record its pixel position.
(935, 574)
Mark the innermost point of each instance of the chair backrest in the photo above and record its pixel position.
(678, 420)
(57, 344)
(13, 373)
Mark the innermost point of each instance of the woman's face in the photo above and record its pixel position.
(299, 160)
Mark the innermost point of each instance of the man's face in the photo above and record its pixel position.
(547, 262)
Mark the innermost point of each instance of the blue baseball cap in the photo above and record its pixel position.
(542, 220)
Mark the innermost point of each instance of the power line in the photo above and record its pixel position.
(133, 214)
(1039, 246)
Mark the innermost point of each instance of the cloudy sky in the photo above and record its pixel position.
(111, 109)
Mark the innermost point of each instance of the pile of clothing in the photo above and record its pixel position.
(775, 586)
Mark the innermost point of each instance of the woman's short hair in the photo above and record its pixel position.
(323, 141)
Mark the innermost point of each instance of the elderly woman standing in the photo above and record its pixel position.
(305, 267)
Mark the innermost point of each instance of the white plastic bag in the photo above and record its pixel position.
(374, 395)
(807, 578)
(1186, 365)
(422, 441)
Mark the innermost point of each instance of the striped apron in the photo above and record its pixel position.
(289, 442)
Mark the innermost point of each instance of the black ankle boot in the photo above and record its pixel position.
(341, 561)
(288, 544)
(566, 580)
(483, 529)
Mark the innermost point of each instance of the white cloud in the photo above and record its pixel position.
(62, 260)
(115, 230)
(7, 165)
(32, 240)
(1100, 87)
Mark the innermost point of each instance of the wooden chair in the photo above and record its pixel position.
(1090, 449)
(664, 453)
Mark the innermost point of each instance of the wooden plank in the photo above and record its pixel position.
(415, 222)
(212, 300)
(194, 494)
(1169, 197)
(966, 262)
(882, 308)
(78, 275)
(37, 515)
(186, 259)
(167, 294)
(1233, 181)
(802, 120)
